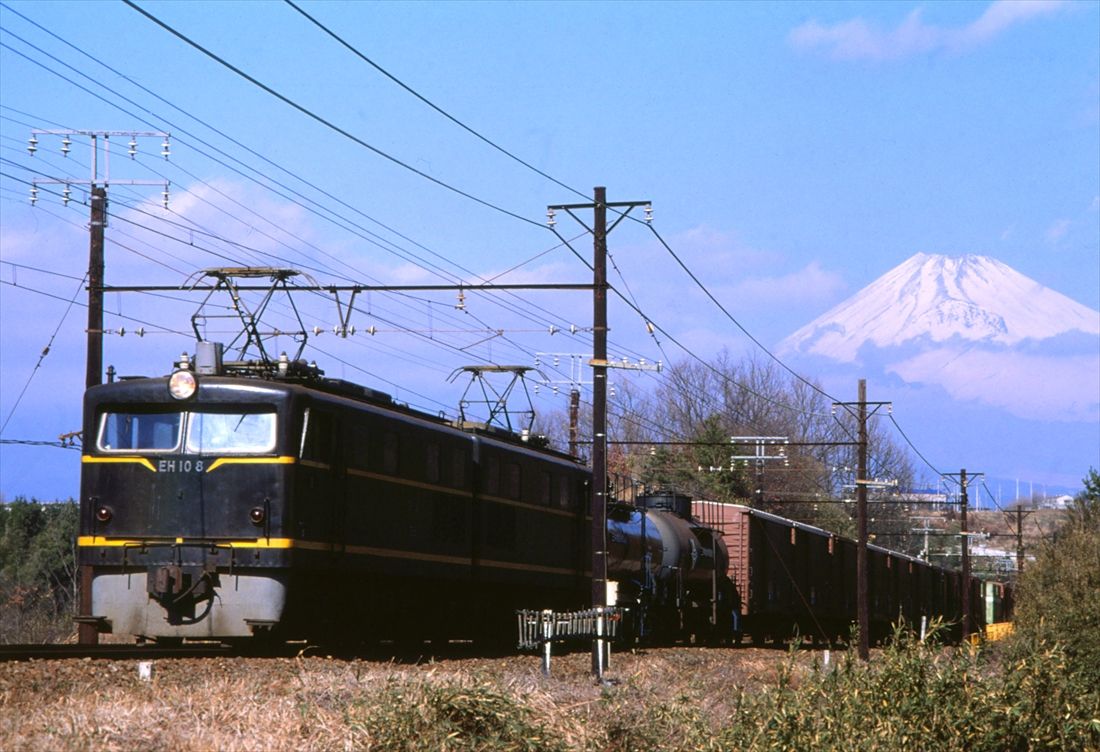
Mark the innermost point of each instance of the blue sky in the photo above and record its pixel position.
(793, 153)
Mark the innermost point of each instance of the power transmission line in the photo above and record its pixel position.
(431, 104)
(323, 121)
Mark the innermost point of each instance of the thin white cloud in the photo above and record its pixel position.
(1028, 386)
(811, 284)
(1057, 231)
(856, 39)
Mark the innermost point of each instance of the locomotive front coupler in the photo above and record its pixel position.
(186, 579)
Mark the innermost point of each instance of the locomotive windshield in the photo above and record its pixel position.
(149, 432)
(216, 433)
(205, 432)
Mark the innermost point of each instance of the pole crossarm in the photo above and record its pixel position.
(848, 407)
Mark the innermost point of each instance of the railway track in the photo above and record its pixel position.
(118, 652)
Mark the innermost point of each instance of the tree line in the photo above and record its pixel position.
(38, 571)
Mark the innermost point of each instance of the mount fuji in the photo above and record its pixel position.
(983, 354)
(937, 299)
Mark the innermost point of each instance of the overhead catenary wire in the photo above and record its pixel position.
(428, 102)
(324, 121)
(42, 355)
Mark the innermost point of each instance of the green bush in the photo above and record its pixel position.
(1058, 599)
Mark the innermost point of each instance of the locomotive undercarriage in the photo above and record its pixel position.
(228, 605)
(185, 590)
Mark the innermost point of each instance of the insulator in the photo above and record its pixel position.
(352, 331)
(164, 196)
(536, 388)
(140, 331)
(165, 148)
(34, 195)
(65, 144)
(32, 145)
(649, 327)
(550, 222)
(133, 148)
(122, 331)
(66, 195)
(649, 212)
(572, 328)
(317, 331)
(553, 330)
(371, 330)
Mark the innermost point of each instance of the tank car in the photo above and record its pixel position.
(669, 571)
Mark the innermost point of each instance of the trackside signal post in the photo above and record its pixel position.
(599, 230)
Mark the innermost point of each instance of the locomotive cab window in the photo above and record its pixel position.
(230, 433)
(139, 432)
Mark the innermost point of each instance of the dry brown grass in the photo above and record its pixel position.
(318, 703)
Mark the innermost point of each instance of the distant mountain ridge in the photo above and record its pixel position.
(937, 299)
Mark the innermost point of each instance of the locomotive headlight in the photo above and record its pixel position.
(103, 514)
(257, 515)
(182, 384)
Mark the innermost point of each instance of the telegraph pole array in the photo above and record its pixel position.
(578, 364)
(93, 376)
(862, 484)
(98, 221)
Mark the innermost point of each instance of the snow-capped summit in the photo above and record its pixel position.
(937, 298)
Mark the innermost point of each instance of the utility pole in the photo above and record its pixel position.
(599, 231)
(1020, 514)
(861, 512)
(94, 367)
(964, 556)
(574, 413)
(87, 633)
(964, 499)
(862, 483)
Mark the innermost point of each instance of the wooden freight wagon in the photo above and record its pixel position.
(792, 578)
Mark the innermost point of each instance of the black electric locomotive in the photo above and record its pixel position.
(229, 501)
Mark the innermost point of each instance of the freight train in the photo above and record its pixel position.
(246, 500)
